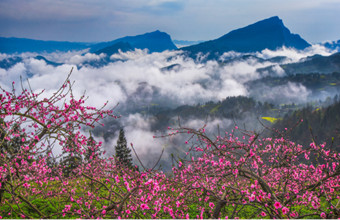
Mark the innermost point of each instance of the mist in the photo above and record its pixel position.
(137, 80)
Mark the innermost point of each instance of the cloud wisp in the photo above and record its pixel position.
(167, 79)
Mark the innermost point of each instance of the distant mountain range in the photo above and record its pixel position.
(333, 45)
(156, 41)
(9, 62)
(21, 45)
(269, 33)
(266, 34)
(315, 64)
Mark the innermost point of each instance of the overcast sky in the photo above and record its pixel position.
(104, 20)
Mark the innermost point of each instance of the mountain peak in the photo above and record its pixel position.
(271, 20)
(156, 33)
(155, 41)
(274, 18)
(269, 33)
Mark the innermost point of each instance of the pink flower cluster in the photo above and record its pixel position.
(222, 176)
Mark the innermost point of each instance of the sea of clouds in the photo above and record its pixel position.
(169, 78)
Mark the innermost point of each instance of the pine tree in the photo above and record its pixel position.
(123, 153)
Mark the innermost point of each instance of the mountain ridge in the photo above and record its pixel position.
(155, 41)
(19, 45)
(269, 33)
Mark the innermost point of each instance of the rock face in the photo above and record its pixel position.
(155, 42)
(269, 33)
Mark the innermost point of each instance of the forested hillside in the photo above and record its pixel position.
(319, 125)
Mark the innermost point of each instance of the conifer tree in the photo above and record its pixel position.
(123, 153)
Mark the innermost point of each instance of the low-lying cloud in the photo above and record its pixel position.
(168, 79)
(170, 75)
(287, 93)
(293, 55)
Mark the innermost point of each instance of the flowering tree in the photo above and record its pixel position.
(31, 126)
(221, 177)
(254, 177)
(35, 183)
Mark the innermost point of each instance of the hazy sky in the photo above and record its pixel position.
(104, 20)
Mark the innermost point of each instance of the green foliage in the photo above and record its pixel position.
(270, 119)
(215, 109)
(320, 124)
(45, 206)
(123, 153)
